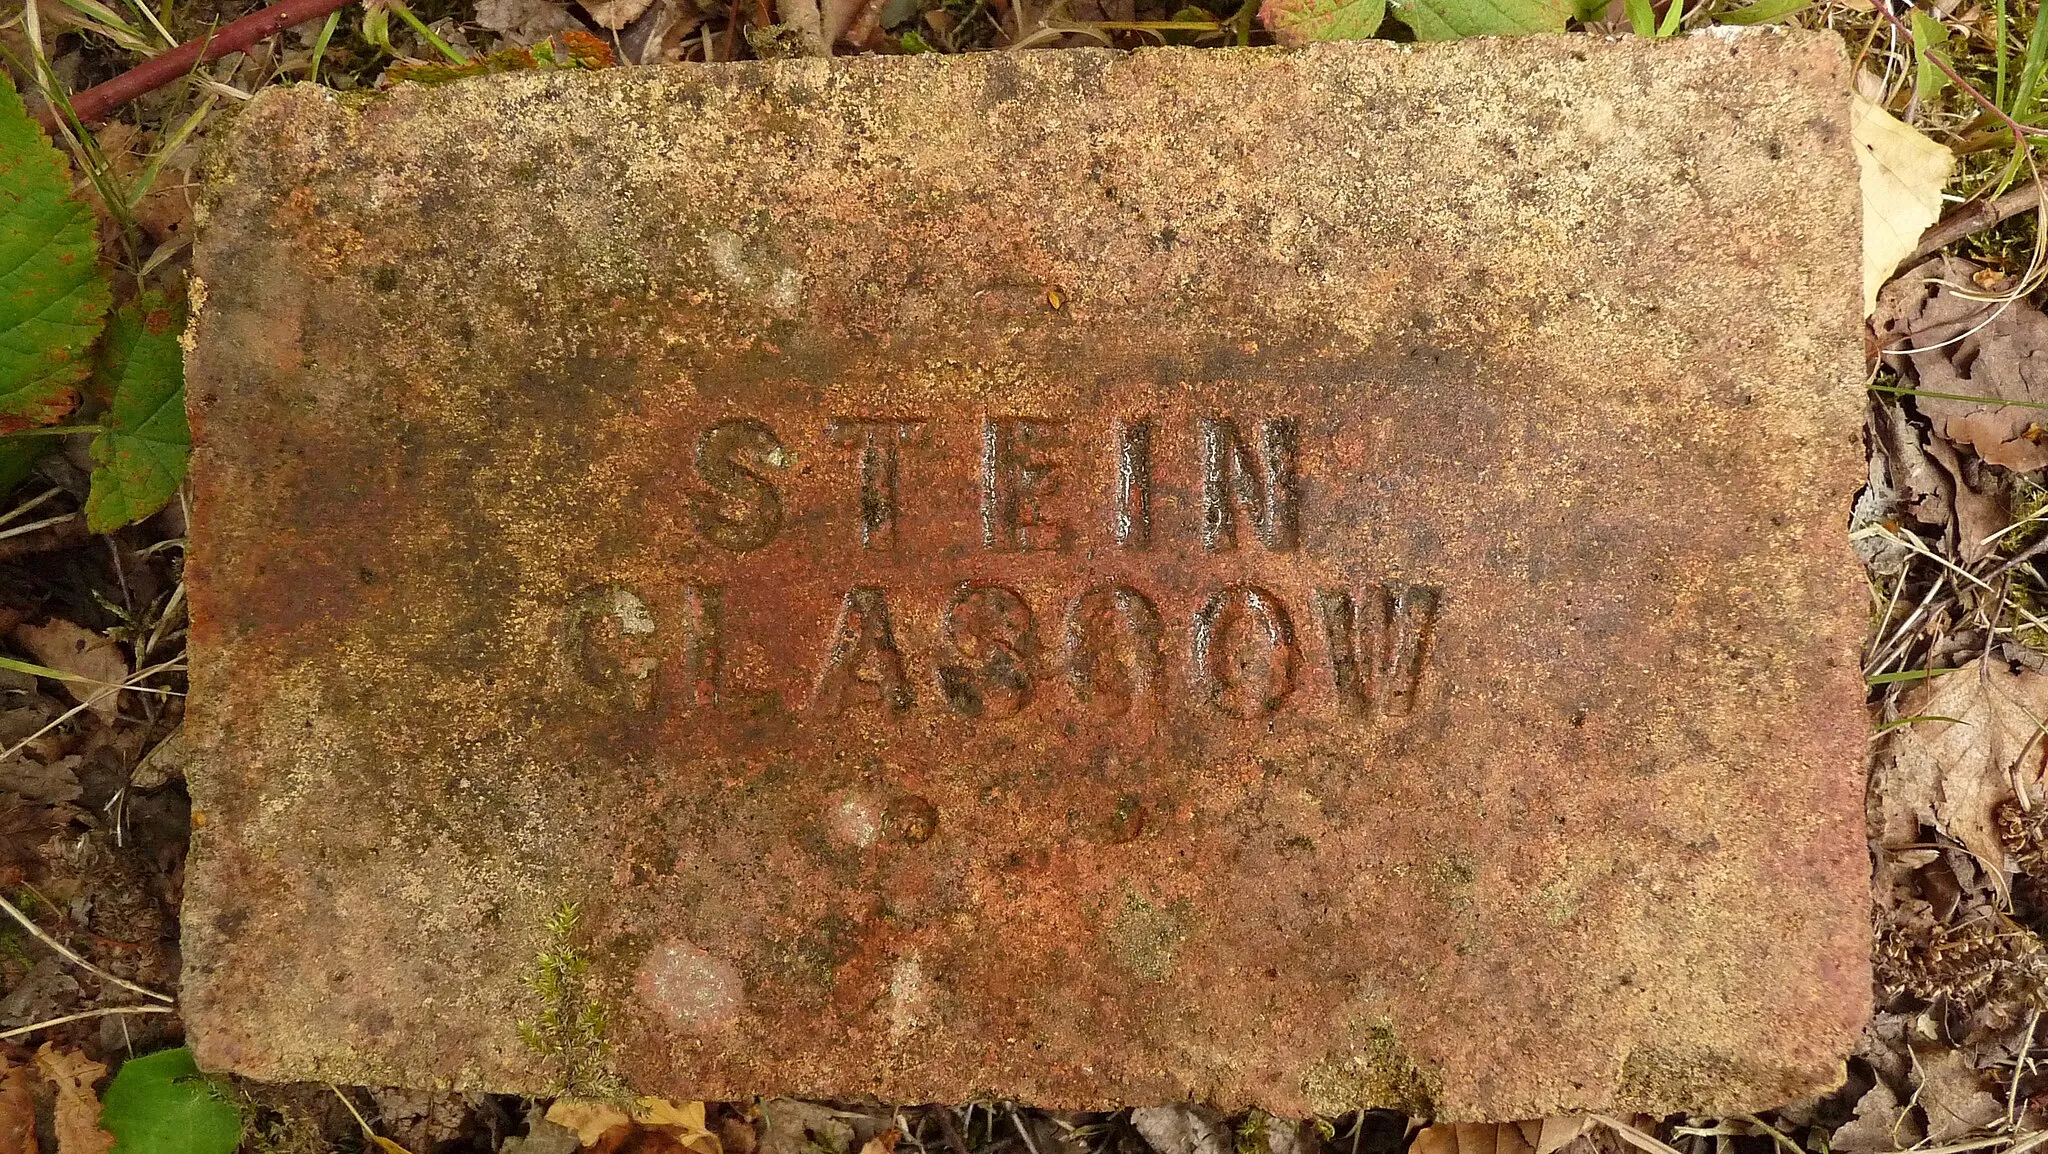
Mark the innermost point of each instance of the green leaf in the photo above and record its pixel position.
(1458, 19)
(1929, 35)
(141, 452)
(1296, 22)
(161, 1104)
(1642, 19)
(1673, 17)
(53, 299)
(1762, 12)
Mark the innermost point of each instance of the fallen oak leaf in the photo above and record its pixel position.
(1902, 175)
(77, 1119)
(1953, 1095)
(1953, 775)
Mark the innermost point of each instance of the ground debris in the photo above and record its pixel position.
(1975, 743)
(1881, 1123)
(1183, 1129)
(95, 660)
(1965, 335)
(525, 22)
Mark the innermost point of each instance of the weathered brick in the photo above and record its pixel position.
(1303, 578)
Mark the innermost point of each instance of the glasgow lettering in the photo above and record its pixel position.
(1104, 650)
(1107, 653)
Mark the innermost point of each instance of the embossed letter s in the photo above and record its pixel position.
(742, 512)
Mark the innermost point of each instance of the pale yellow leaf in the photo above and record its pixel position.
(588, 1120)
(684, 1123)
(1902, 177)
(78, 1108)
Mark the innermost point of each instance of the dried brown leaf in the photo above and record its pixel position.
(78, 1108)
(1954, 1095)
(1881, 1123)
(1474, 1138)
(1553, 1134)
(1953, 774)
(615, 14)
(1936, 319)
(1981, 508)
(55, 782)
(17, 1110)
(80, 652)
(684, 1123)
(525, 22)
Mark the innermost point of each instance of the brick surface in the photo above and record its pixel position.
(1303, 579)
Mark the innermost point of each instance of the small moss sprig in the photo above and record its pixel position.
(573, 1031)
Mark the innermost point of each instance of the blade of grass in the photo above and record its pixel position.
(149, 14)
(1673, 17)
(1903, 391)
(2000, 30)
(1642, 19)
(2031, 67)
(1905, 675)
(320, 44)
(1896, 722)
(426, 33)
(146, 179)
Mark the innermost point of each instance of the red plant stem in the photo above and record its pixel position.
(98, 102)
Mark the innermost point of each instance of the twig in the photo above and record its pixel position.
(29, 925)
(24, 1031)
(98, 102)
(1975, 217)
